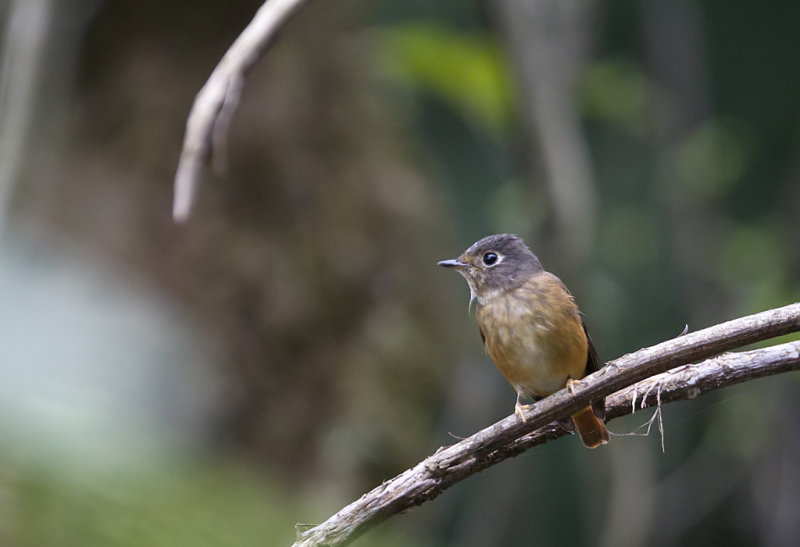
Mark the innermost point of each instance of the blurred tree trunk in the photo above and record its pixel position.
(548, 41)
(676, 58)
(40, 44)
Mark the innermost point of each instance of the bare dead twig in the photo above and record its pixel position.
(209, 120)
(510, 437)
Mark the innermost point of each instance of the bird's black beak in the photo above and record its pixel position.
(452, 263)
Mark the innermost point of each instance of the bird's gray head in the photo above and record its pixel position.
(495, 263)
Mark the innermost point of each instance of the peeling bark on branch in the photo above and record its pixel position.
(509, 437)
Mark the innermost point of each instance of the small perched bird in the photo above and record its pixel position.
(530, 326)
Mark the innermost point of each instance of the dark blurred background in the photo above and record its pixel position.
(293, 344)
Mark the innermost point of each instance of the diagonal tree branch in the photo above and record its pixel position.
(209, 120)
(509, 437)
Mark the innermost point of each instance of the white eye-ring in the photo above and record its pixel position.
(490, 259)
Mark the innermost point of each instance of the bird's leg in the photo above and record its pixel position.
(571, 385)
(519, 407)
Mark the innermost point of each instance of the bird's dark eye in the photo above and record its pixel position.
(490, 259)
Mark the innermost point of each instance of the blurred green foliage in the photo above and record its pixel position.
(168, 503)
(467, 71)
(605, 83)
(711, 159)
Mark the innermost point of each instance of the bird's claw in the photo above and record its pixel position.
(519, 409)
(571, 384)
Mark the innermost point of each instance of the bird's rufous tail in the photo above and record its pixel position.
(591, 429)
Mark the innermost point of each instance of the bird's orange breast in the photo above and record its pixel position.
(534, 335)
